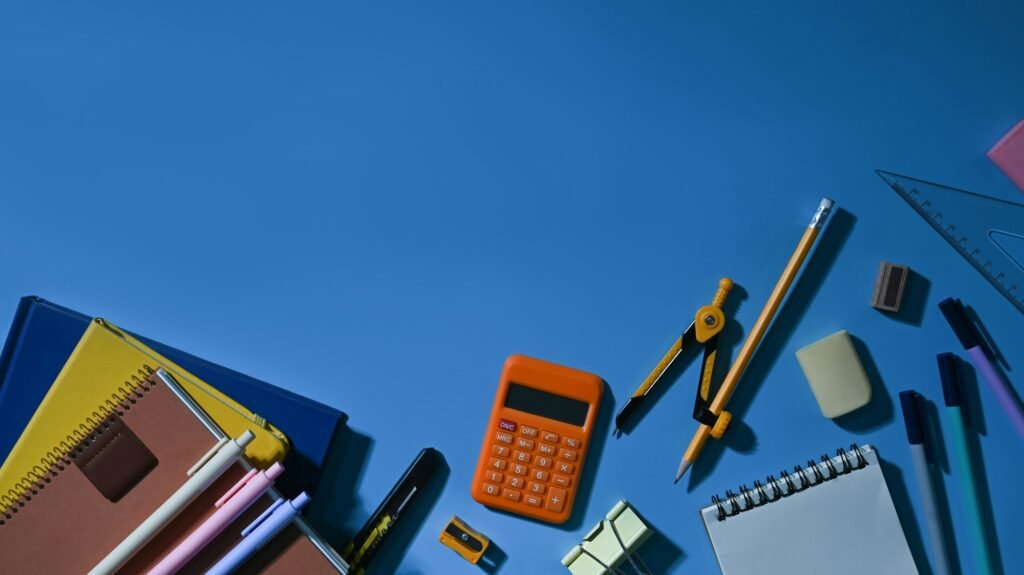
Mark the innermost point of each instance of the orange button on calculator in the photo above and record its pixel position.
(538, 434)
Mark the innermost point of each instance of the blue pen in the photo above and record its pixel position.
(914, 418)
(260, 532)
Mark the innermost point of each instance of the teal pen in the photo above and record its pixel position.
(968, 481)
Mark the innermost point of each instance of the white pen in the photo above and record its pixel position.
(913, 418)
(203, 473)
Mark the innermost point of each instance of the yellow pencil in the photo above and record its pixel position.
(757, 332)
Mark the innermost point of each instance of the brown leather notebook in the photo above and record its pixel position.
(127, 465)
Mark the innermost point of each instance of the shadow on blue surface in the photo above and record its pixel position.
(971, 400)
(915, 300)
(594, 455)
(936, 448)
(908, 518)
(401, 533)
(831, 242)
(988, 345)
(337, 494)
(879, 411)
(337, 501)
(659, 553)
(493, 559)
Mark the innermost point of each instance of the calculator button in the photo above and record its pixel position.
(523, 443)
(496, 463)
(564, 467)
(516, 482)
(561, 480)
(521, 456)
(511, 494)
(491, 489)
(546, 449)
(499, 450)
(556, 500)
(534, 487)
(543, 462)
(534, 500)
(567, 455)
(519, 469)
(494, 476)
(504, 437)
(507, 425)
(528, 431)
(571, 442)
(549, 437)
(539, 474)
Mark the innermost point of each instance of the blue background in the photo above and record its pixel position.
(374, 204)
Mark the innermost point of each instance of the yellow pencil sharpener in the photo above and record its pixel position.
(461, 538)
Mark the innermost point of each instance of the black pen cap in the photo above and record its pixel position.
(910, 402)
(956, 315)
(950, 378)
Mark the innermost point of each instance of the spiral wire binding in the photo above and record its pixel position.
(816, 473)
(63, 454)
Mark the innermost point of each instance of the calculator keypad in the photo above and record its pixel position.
(531, 466)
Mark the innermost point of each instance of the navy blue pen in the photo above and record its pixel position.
(260, 532)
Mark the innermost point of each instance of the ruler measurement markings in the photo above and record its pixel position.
(960, 241)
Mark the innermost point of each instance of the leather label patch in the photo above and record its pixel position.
(113, 458)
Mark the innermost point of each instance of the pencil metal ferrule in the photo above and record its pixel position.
(821, 214)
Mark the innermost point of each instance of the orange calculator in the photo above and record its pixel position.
(537, 438)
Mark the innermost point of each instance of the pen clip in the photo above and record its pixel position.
(263, 517)
(236, 488)
(209, 455)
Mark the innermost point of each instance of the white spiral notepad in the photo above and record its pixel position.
(831, 516)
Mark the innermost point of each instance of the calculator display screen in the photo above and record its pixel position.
(544, 404)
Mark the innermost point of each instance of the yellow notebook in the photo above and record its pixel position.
(104, 370)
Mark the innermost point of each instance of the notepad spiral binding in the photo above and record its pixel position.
(801, 479)
(63, 454)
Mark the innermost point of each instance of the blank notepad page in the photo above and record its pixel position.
(834, 516)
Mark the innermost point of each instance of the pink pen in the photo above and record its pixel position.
(229, 507)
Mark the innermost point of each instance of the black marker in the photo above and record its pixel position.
(363, 547)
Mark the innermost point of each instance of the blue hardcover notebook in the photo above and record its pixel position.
(44, 334)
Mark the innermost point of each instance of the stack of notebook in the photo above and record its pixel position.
(99, 428)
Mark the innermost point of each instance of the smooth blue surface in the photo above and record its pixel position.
(373, 204)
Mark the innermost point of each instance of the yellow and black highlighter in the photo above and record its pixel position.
(413, 482)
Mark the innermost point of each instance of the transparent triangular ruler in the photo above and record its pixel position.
(988, 232)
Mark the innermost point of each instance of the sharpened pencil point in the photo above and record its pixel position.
(683, 466)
